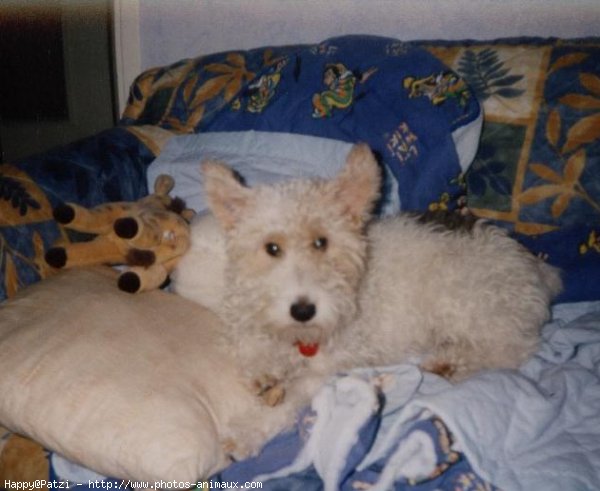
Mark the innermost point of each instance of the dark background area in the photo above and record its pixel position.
(56, 82)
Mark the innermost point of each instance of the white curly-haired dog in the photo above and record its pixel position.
(308, 285)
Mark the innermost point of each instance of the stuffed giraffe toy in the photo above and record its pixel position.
(148, 236)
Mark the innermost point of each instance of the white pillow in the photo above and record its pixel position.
(131, 386)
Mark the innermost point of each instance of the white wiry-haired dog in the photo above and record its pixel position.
(308, 286)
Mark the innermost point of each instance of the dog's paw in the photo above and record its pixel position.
(234, 450)
(269, 389)
(274, 396)
(263, 383)
(241, 443)
(441, 368)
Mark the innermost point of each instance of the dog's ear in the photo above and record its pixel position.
(357, 186)
(225, 193)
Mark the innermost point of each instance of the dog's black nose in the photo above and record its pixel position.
(303, 310)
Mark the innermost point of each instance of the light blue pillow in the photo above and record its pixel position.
(260, 157)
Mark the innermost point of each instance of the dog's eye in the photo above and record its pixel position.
(273, 249)
(320, 244)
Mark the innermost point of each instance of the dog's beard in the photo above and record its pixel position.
(293, 333)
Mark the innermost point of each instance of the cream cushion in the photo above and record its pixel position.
(131, 386)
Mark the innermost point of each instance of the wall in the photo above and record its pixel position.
(175, 29)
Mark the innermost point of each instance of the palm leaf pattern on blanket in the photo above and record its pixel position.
(488, 170)
(22, 203)
(487, 74)
(151, 93)
(11, 190)
(218, 83)
(570, 145)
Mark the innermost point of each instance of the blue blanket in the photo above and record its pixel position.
(396, 428)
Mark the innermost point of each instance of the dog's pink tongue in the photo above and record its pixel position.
(307, 349)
